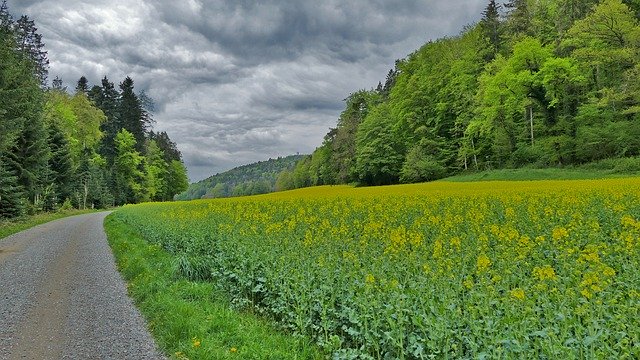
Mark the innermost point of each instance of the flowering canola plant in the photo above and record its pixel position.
(448, 270)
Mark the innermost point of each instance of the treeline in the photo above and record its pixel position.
(94, 148)
(535, 83)
(252, 179)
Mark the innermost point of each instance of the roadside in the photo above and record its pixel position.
(10, 227)
(191, 320)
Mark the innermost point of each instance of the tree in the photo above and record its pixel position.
(378, 151)
(168, 147)
(605, 43)
(77, 118)
(132, 115)
(57, 84)
(518, 18)
(492, 27)
(421, 163)
(89, 121)
(177, 180)
(60, 163)
(156, 169)
(128, 175)
(82, 86)
(30, 158)
(285, 181)
(11, 200)
(344, 144)
(30, 44)
(107, 99)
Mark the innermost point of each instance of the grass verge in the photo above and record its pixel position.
(603, 169)
(526, 174)
(10, 227)
(190, 320)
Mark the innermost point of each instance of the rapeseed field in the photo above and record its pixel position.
(536, 269)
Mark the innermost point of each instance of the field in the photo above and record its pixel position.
(536, 269)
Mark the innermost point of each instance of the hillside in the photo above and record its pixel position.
(251, 179)
(533, 84)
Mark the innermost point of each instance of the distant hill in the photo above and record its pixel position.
(252, 179)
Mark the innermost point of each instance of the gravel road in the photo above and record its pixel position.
(61, 296)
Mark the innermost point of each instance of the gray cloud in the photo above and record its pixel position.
(241, 81)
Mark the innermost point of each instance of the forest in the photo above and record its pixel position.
(535, 83)
(245, 180)
(92, 147)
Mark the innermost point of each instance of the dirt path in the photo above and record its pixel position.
(62, 298)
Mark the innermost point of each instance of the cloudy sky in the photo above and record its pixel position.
(241, 81)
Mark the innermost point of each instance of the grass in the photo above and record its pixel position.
(188, 319)
(603, 169)
(10, 227)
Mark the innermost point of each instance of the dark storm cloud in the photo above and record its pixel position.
(241, 81)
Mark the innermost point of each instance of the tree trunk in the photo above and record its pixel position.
(531, 122)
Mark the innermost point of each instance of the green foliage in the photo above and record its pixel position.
(156, 170)
(541, 83)
(264, 173)
(378, 150)
(54, 146)
(421, 164)
(437, 270)
(11, 201)
(129, 177)
(185, 312)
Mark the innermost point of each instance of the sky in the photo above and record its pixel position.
(237, 82)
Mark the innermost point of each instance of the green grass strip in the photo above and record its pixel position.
(538, 174)
(190, 320)
(10, 227)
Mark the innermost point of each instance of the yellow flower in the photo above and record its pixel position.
(196, 342)
(468, 284)
(559, 233)
(544, 273)
(437, 249)
(233, 350)
(483, 263)
(608, 271)
(369, 279)
(517, 293)
(456, 242)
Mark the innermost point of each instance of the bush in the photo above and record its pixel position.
(66, 206)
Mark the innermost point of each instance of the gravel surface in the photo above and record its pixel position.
(61, 296)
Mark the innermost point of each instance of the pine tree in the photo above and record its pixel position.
(106, 98)
(23, 136)
(518, 17)
(168, 147)
(132, 113)
(11, 201)
(30, 158)
(6, 20)
(30, 44)
(82, 86)
(60, 163)
(57, 84)
(492, 27)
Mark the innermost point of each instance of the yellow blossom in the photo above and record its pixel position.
(196, 342)
(545, 272)
(517, 293)
(483, 263)
(559, 233)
